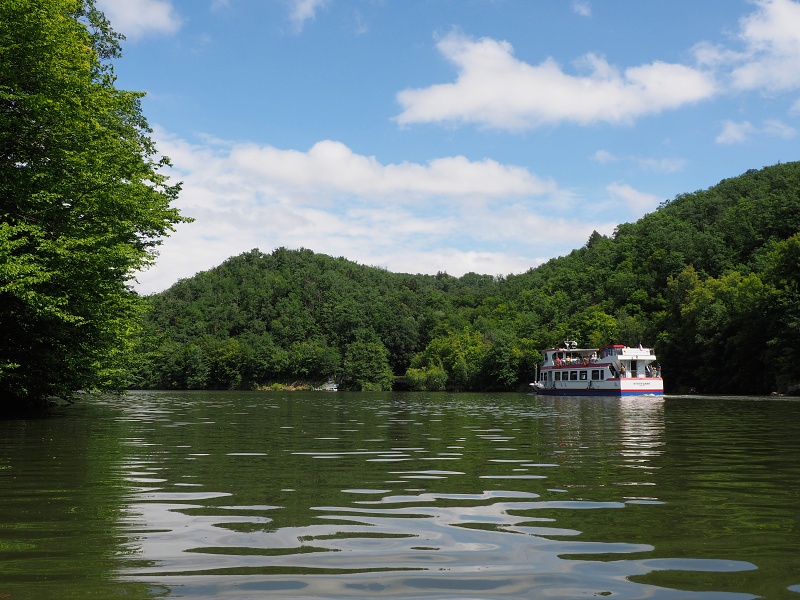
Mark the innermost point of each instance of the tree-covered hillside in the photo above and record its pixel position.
(710, 279)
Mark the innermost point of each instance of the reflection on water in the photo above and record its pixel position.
(229, 495)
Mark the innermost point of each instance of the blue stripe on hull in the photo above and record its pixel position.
(606, 393)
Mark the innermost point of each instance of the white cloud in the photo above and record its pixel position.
(736, 133)
(450, 214)
(776, 128)
(715, 56)
(637, 202)
(604, 157)
(769, 57)
(301, 11)
(332, 168)
(582, 8)
(663, 165)
(772, 39)
(137, 18)
(495, 89)
(360, 25)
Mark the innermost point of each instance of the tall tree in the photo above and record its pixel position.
(83, 201)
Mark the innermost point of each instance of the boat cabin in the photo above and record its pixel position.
(598, 364)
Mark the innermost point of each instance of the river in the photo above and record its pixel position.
(402, 495)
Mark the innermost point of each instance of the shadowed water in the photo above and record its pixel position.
(336, 495)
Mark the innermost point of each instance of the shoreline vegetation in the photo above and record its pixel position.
(85, 202)
(710, 280)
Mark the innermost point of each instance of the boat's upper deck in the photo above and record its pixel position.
(616, 353)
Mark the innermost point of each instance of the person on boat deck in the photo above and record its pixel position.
(622, 371)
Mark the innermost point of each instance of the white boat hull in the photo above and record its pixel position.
(630, 387)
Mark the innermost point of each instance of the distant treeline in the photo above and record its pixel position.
(710, 279)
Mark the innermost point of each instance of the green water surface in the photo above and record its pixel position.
(387, 495)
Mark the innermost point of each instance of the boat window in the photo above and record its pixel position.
(583, 375)
(596, 374)
(558, 375)
(573, 376)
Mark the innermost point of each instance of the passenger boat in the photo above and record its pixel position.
(614, 370)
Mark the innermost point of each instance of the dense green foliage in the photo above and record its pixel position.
(710, 279)
(82, 201)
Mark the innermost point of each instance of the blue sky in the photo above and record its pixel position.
(449, 135)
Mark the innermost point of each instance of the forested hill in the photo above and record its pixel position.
(710, 279)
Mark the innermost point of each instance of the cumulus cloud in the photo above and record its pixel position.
(334, 169)
(776, 128)
(734, 133)
(604, 157)
(636, 201)
(768, 56)
(138, 18)
(582, 8)
(301, 11)
(662, 165)
(737, 132)
(772, 39)
(449, 214)
(495, 89)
